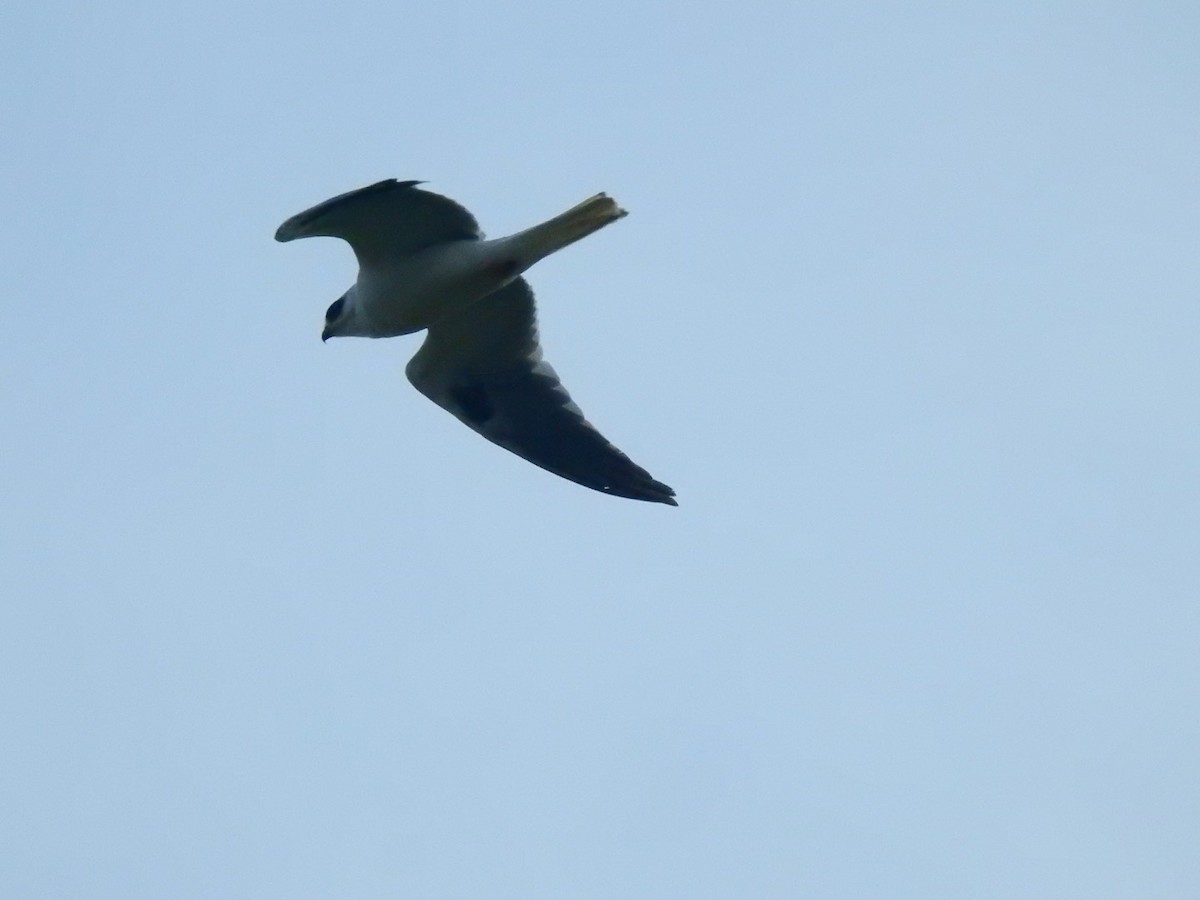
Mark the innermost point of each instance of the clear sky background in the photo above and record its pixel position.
(906, 310)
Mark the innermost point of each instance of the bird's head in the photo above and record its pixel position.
(339, 317)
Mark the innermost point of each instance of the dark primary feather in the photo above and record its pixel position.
(384, 219)
(484, 366)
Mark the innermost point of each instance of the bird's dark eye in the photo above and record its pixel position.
(335, 309)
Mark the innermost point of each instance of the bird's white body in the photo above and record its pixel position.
(406, 294)
(399, 294)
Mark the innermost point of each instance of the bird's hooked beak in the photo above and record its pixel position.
(326, 334)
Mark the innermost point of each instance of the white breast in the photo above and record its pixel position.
(404, 295)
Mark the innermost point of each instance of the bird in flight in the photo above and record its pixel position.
(423, 263)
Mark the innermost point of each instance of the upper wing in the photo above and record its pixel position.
(390, 218)
(484, 365)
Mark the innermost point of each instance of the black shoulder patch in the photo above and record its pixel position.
(474, 402)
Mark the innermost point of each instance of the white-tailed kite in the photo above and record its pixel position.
(423, 263)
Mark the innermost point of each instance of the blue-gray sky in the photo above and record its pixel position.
(905, 309)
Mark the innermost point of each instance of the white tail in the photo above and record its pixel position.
(565, 229)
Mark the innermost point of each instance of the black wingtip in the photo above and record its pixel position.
(657, 492)
(650, 491)
(295, 226)
(668, 498)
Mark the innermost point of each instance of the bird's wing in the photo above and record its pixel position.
(485, 366)
(387, 219)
